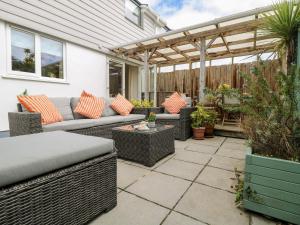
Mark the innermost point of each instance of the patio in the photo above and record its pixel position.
(194, 186)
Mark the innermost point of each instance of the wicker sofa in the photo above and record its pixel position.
(23, 122)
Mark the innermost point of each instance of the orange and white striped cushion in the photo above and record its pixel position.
(90, 106)
(174, 103)
(121, 105)
(41, 104)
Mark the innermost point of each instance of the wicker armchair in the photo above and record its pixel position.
(182, 123)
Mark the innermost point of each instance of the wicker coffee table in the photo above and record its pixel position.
(145, 147)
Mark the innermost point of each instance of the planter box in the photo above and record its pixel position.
(272, 187)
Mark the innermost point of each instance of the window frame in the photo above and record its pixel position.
(140, 23)
(37, 76)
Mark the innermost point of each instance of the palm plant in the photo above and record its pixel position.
(284, 25)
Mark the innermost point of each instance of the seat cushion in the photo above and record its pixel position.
(28, 156)
(41, 104)
(69, 125)
(108, 111)
(64, 107)
(87, 123)
(118, 119)
(90, 106)
(167, 116)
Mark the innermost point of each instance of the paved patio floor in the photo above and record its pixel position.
(194, 186)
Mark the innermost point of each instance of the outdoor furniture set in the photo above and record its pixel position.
(52, 174)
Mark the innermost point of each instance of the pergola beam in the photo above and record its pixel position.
(202, 68)
(221, 55)
(226, 30)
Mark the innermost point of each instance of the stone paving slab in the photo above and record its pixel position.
(193, 157)
(132, 210)
(215, 141)
(178, 219)
(232, 153)
(128, 174)
(212, 206)
(162, 189)
(234, 146)
(218, 178)
(227, 163)
(180, 169)
(207, 149)
(236, 140)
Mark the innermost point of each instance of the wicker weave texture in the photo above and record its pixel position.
(144, 148)
(73, 195)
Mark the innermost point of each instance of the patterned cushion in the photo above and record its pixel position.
(90, 106)
(122, 105)
(174, 103)
(43, 105)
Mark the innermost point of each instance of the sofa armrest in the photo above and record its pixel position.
(185, 113)
(21, 123)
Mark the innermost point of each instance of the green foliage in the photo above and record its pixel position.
(199, 117)
(216, 97)
(239, 188)
(142, 103)
(211, 118)
(272, 121)
(284, 25)
(152, 117)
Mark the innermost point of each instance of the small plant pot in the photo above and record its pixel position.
(199, 133)
(209, 131)
(151, 124)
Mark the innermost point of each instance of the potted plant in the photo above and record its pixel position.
(142, 106)
(151, 120)
(198, 122)
(210, 122)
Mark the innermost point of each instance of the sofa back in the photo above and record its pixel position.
(66, 107)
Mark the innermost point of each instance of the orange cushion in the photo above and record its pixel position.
(90, 106)
(122, 105)
(41, 104)
(174, 103)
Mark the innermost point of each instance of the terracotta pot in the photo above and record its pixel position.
(199, 133)
(209, 131)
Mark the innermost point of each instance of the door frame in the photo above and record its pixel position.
(109, 59)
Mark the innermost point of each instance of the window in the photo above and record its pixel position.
(22, 51)
(133, 12)
(52, 58)
(32, 56)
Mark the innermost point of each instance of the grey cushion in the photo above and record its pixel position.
(74, 102)
(64, 107)
(86, 123)
(69, 125)
(118, 119)
(108, 111)
(167, 116)
(28, 156)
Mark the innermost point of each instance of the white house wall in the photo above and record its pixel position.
(97, 24)
(86, 70)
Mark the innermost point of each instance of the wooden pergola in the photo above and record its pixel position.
(227, 37)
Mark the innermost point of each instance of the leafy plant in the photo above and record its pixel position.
(284, 25)
(142, 103)
(239, 188)
(211, 118)
(152, 117)
(199, 117)
(272, 122)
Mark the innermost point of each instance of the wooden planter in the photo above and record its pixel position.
(272, 187)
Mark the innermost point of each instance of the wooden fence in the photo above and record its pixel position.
(187, 81)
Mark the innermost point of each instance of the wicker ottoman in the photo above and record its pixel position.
(56, 178)
(145, 147)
